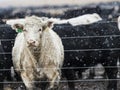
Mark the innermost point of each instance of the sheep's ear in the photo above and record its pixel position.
(18, 26)
(50, 24)
(47, 24)
(16, 23)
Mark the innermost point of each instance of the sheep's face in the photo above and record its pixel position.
(33, 29)
(32, 34)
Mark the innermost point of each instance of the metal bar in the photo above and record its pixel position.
(79, 80)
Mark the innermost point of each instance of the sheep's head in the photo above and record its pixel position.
(32, 28)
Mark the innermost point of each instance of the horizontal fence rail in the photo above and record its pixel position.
(80, 50)
(79, 37)
(78, 80)
(65, 68)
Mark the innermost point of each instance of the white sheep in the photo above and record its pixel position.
(80, 20)
(38, 52)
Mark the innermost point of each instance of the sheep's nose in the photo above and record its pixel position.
(31, 42)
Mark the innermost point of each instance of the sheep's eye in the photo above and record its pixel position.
(40, 29)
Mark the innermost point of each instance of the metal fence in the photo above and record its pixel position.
(10, 39)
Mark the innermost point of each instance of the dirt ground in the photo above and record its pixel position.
(18, 3)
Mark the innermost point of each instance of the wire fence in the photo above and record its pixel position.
(78, 80)
(78, 50)
(78, 37)
(64, 68)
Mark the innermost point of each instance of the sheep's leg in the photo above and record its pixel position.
(27, 81)
(54, 79)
